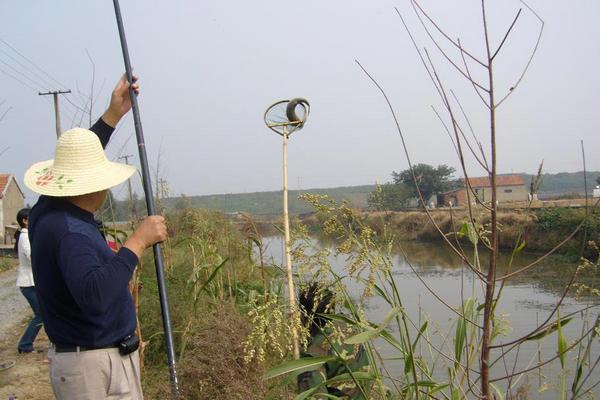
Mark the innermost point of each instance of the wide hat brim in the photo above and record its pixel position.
(44, 178)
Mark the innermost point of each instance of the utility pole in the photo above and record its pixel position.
(164, 188)
(56, 108)
(131, 205)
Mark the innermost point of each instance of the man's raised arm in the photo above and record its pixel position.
(120, 104)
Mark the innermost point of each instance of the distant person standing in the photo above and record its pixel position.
(25, 282)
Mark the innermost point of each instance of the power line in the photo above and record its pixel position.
(32, 63)
(23, 83)
(71, 109)
(21, 73)
(75, 105)
(42, 79)
(18, 80)
(4, 113)
(45, 83)
(68, 111)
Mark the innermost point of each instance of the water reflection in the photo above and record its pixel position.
(527, 300)
(552, 274)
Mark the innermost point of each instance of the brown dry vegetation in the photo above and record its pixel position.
(513, 222)
(208, 258)
(415, 225)
(212, 366)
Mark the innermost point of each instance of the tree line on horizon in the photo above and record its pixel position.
(396, 194)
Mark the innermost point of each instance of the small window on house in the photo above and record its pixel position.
(507, 190)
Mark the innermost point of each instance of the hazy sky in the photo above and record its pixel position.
(209, 69)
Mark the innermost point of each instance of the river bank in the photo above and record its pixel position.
(542, 229)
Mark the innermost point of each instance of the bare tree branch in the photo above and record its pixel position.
(488, 309)
(418, 52)
(462, 54)
(405, 148)
(592, 367)
(91, 96)
(445, 35)
(543, 324)
(587, 207)
(547, 361)
(537, 43)
(456, 128)
(463, 73)
(430, 290)
(5, 112)
(445, 128)
(472, 131)
(507, 33)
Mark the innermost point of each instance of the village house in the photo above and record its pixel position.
(509, 188)
(11, 201)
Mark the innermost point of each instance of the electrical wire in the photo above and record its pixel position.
(20, 81)
(32, 63)
(45, 82)
(21, 73)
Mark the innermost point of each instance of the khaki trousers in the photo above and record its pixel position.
(101, 374)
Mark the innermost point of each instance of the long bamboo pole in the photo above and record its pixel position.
(158, 258)
(288, 250)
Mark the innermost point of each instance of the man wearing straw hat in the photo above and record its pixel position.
(82, 285)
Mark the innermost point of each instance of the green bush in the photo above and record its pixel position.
(6, 263)
(558, 223)
(211, 277)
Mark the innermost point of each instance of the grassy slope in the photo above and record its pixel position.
(269, 203)
(565, 182)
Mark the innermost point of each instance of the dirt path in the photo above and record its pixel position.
(28, 379)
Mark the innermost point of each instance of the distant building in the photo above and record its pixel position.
(509, 188)
(11, 201)
(596, 192)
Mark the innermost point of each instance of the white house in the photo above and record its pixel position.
(11, 201)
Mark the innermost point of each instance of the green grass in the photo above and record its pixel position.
(270, 202)
(7, 263)
(211, 279)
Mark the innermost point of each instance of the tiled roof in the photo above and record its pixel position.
(501, 180)
(4, 179)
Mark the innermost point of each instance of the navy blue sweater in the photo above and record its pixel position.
(82, 286)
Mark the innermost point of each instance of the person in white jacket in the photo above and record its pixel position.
(26, 284)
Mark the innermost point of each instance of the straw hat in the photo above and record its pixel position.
(79, 167)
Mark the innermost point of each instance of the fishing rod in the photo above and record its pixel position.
(158, 258)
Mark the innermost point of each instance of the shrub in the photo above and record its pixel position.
(6, 263)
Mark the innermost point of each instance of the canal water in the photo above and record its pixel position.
(526, 301)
